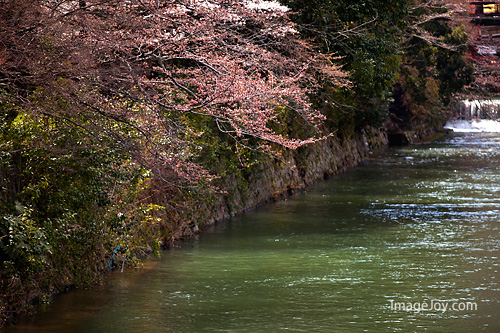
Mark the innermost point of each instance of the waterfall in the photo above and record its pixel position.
(477, 109)
(475, 116)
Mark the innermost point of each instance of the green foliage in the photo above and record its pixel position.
(365, 35)
(221, 153)
(384, 42)
(454, 72)
(24, 244)
(67, 202)
(434, 71)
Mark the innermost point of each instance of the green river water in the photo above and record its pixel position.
(417, 225)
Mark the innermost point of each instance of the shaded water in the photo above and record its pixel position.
(417, 224)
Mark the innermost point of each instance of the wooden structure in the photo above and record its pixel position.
(486, 14)
(485, 8)
(489, 32)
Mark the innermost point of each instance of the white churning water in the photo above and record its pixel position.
(472, 126)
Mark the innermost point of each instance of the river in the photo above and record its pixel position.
(408, 242)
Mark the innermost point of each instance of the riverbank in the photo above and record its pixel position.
(275, 179)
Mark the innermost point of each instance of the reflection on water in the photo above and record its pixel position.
(417, 224)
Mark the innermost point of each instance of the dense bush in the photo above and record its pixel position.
(67, 201)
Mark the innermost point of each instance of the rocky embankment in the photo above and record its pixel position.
(276, 179)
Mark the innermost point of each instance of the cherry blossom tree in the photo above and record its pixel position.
(146, 64)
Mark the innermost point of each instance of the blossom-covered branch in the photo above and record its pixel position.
(239, 62)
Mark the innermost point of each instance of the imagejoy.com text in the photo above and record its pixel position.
(433, 306)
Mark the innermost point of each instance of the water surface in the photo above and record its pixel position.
(416, 224)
